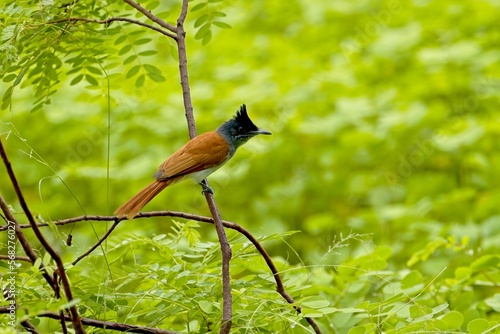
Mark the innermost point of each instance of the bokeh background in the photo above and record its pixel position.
(385, 121)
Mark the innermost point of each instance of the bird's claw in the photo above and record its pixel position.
(206, 188)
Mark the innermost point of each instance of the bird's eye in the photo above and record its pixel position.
(240, 129)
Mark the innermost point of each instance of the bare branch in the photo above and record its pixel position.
(29, 327)
(18, 258)
(25, 243)
(112, 19)
(101, 240)
(102, 324)
(183, 70)
(75, 316)
(150, 16)
(227, 299)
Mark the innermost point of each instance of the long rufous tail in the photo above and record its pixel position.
(131, 207)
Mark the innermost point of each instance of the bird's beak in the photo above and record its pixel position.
(261, 132)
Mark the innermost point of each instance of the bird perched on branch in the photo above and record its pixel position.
(198, 158)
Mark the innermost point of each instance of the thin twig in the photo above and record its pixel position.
(101, 240)
(17, 258)
(102, 324)
(112, 19)
(75, 316)
(150, 16)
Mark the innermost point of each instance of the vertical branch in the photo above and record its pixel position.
(75, 316)
(183, 71)
(227, 303)
(227, 311)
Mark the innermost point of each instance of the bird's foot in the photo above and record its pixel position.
(205, 188)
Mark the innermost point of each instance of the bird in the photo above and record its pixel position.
(197, 159)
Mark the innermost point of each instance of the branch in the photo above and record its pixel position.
(102, 324)
(183, 70)
(29, 327)
(75, 316)
(150, 16)
(112, 19)
(227, 299)
(280, 288)
(32, 257)
(18, 258)
(101, 240)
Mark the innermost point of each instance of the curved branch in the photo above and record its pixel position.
(102, 324)
(112, 19)
(150, 16)
(75, 316)
(280, 288)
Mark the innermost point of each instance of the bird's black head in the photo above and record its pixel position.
(240, 129)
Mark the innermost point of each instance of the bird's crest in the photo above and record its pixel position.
(242, 119)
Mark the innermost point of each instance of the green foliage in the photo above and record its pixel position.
(384, 156)
(208, 17)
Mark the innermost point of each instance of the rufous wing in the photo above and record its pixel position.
(205, 151)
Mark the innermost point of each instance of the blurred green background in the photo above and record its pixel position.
(384, 114)
(385, 121)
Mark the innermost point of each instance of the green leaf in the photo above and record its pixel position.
(142, 41)
(9, 77)
(20, 76)
(453, 319)
(157, 77)
(6, 98)
(315, 302)
(129, 59)
(207, 38)
(412, 279)
(478, 326)
(74, 70)
(120, 39)
(485, 261)
(37, 107)
(93, 70)
(148, 53)
(152, 69)
(91, 80)
(199, 21)
(198, 6)
(133, 71)
(125, 49)
(76, 80)
(218, 14)
(205, 306)
(357, 330)
(202, 32)
(494, 302)
(140, 81)
(221, 25)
